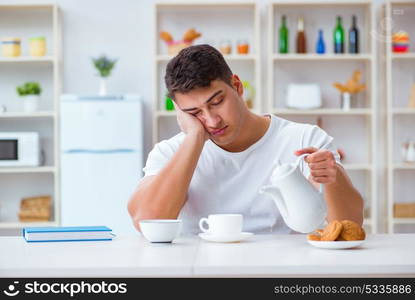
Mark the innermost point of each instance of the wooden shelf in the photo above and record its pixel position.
(394, 83)
(284, 69)
(403, 111)
(321, 2)
(323, 111)
(38, 114)
(398, 56)
(319, 57)
(404, 220)
(404, 166)
(21, 59)
(357, 167)
(201, 4)
(229, 58)
(26, 224)
(44, 169)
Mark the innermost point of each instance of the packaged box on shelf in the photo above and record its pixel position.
(404, 210)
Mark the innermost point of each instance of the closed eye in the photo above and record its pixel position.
(218, 102)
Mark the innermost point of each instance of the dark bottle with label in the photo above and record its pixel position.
(338, 36)
(283, 36)
(301, 40)
(354, 37)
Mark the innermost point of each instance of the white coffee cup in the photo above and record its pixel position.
(222, 224)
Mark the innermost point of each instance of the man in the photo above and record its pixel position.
(225, 153)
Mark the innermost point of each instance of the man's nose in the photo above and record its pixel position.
(212, 119)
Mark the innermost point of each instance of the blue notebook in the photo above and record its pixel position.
(67, 234)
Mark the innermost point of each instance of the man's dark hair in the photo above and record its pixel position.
(194, 67)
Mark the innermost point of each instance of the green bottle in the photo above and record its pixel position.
(339, 36)
(169, 103)
(283, 37)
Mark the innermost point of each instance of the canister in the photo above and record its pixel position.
(37, 46)
(10, 47)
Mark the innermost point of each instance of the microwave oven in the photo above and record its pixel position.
(19, 149)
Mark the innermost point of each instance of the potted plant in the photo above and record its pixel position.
(30, 93)
(104, 65)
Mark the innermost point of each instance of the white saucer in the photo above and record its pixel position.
(225, 239)
(336, 244)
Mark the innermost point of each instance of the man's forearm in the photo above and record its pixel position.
(165, 195)
(343, 200)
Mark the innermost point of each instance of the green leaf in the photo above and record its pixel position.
(29, 88)
(104, 65)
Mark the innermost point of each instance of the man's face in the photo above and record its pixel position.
(219, 107)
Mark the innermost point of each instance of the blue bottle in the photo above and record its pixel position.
(320, 47)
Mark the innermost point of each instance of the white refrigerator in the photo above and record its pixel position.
(101, 159)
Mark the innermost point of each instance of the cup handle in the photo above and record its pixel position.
(203, 220)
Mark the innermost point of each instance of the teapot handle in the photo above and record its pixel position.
(302, 156)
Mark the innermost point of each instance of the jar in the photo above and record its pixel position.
(37, 46)
(10, 47)
(225, 47)
(243, 47)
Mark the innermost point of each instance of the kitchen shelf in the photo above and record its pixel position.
(38, 114)
(317, 57)
(27, 224)
(242, 22)
(165, 113)
(403, 56)
(45, 20)
(357, 167)
(22, 59)
(403, 220)
(234, 57)
(323, 111)
(404, 166)
(45, 169)
(398, 118)
(324, 69)
(403, 111)
(367, 221)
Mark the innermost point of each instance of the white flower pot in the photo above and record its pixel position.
(103, 86)
(31, 103)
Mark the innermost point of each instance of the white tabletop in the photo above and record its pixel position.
(259, 256)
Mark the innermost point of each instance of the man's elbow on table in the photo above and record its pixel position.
(138, 211)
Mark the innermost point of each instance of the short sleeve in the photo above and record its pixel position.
(161, 155)
(316, 137)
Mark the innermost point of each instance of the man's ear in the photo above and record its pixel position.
(237, 84)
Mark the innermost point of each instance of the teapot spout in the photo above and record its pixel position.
(275, 194)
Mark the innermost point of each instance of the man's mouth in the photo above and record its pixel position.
(218, 131)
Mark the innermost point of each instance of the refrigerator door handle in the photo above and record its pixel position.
(101, 151)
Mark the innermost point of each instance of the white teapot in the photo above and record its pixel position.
(302, 207)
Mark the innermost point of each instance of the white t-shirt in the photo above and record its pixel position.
(228, 182)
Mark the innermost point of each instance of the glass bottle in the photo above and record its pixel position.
(321, 47)
(169, 104)
(301, 39)
(354, 37)
(339, 36)
(283, 36)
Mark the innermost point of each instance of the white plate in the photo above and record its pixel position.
(336, 244)
(225, 239)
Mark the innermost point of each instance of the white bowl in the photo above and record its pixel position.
(161, 230)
